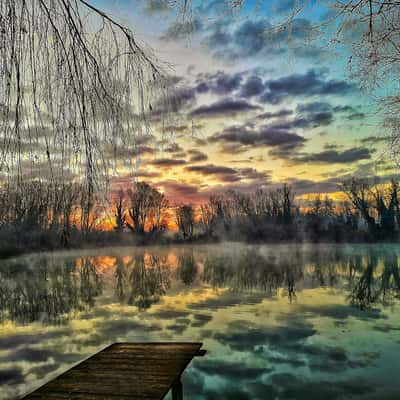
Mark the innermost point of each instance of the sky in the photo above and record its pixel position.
(253, 110)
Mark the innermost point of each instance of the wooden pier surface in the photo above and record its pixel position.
(124, 371)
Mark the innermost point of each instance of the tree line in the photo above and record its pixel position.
(41, 215)
(368, 212)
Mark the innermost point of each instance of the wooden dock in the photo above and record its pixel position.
(124, 371)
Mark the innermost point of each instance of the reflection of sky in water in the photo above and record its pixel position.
(279, 322)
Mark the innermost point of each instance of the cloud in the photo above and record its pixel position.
(373, 139)
(284, 6)
(309, 84)
(224, 107)
(174, 148)
(305, 121)
(314, 107)
(251, 37)
(167, 162)
(180, 98)
(178, 191)
(282, 140)
(233, 148)
(227, 174)
(252, 87)
(257, 37)
(153, 7)
(180, 30)
(253, 174)
(220, 82)
(334, 156)
(197, 156)
(277, 114)
(218, 35)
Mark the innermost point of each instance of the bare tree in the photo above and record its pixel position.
(147, 208)
(120, 218)
(141, 203)
(208, 218)
(160, 204)
(185, 220)
(358, 192)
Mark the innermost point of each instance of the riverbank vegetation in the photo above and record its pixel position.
(47, 217)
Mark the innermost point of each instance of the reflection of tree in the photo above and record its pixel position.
(365, 290)
(390, 279)
(148, 281)
(187, 268)
(355, 265)
(252, 271)
(371, 285)
(45, 290)
(120, 279)
(217, 271)
(91, 285)
(318, 272)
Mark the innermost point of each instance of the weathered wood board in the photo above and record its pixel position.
(124, 371)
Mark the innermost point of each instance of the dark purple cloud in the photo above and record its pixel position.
(210, 169)
(277, 114)
(309, 84)
(253, 86)
(228, 174)
(167, 162)
(220, 82)
(334, 156)
(224, 107)
(263, 136)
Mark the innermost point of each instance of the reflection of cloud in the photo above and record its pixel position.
(178, 329)
(279, 337)
(232, 371)
(114, 328)
(226, 300)
(11, 376)
(15, 340)
(257, 346)
(340, 312)
(170, 314)
(201, 320)
(28, 354)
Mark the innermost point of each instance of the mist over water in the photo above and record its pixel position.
(278, 321)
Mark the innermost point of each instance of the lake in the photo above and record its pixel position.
(278, 321)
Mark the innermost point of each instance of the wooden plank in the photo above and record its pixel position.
(124, 371)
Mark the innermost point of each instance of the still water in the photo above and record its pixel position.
(279, 322)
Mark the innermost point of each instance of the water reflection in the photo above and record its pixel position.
(279, 321)
(47, 291)
(48, 288)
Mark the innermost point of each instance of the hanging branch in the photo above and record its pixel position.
(74, 86)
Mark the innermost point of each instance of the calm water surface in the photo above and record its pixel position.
(279, 322)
